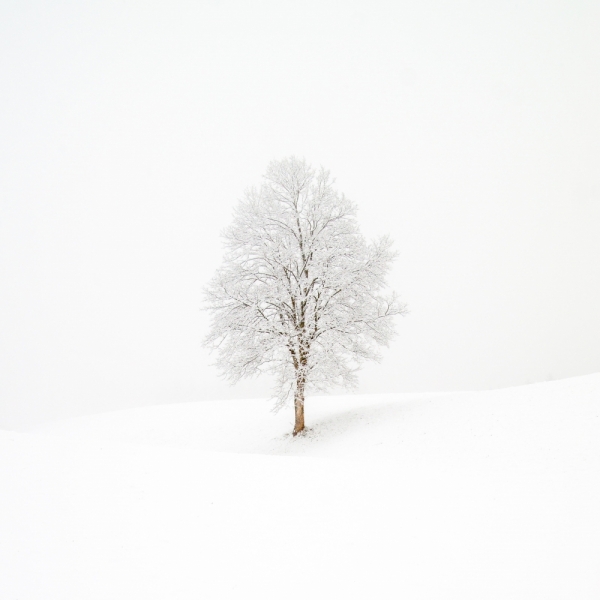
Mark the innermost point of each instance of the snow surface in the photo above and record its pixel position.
(462, 495)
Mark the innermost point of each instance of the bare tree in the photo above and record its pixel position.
(299, 293)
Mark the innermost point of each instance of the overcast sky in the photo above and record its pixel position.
(469, 131)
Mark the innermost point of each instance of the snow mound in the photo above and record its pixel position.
(462, 495)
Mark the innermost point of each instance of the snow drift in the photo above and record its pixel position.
(461, 495)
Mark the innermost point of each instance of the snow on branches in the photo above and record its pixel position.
(299, 293)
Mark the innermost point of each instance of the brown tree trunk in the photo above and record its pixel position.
(299, 410)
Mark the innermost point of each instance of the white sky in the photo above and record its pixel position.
(469, 131)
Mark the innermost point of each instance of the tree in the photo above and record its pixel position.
(299, 293)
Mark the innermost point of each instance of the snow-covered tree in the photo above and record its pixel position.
(299, 293)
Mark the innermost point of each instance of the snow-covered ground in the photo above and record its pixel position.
(478, 495)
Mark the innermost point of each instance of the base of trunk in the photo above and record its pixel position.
(299, 410)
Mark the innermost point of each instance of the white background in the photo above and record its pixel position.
(469, 131)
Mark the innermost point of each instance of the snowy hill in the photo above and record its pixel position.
(462, 495)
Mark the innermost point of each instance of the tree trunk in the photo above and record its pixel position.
(299, 410)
